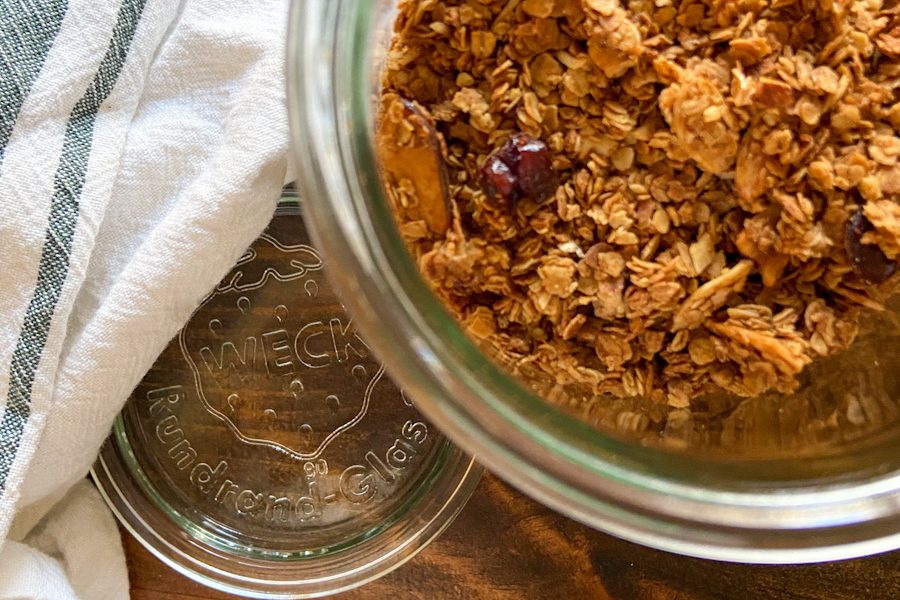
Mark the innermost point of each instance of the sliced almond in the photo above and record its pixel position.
(788, 356)
(411, 149)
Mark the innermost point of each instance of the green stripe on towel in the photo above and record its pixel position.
(27, 31)
(64, 210)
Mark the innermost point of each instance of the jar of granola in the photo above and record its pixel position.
(800, 469)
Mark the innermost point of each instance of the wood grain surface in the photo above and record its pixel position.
(505, 546)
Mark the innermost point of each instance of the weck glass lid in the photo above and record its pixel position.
(267, 452)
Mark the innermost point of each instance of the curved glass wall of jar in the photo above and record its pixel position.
(808, 477)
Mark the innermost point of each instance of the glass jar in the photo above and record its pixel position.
(767, 490)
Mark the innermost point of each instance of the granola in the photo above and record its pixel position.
(650, 198)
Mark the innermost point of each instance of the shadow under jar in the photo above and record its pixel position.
(802, 477)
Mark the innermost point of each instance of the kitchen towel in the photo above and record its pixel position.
(142, 148)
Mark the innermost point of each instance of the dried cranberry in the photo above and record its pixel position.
(509, 151)
(498, 178)
(868, 261)
(521, 168)
(537, 180)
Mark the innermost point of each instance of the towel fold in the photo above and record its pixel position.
(142, 148)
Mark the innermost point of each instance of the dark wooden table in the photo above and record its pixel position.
(505, 546)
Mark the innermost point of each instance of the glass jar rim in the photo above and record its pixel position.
(714, 507)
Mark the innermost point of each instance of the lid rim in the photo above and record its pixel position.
(467, 473)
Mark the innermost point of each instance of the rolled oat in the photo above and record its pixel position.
(720, 194)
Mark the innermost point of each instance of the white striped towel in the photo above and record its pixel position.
(142, 148)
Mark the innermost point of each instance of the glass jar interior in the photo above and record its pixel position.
(845, 402)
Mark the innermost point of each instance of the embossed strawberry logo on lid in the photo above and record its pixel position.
(279, 361)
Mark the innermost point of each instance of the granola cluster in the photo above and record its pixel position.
(725, 194)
